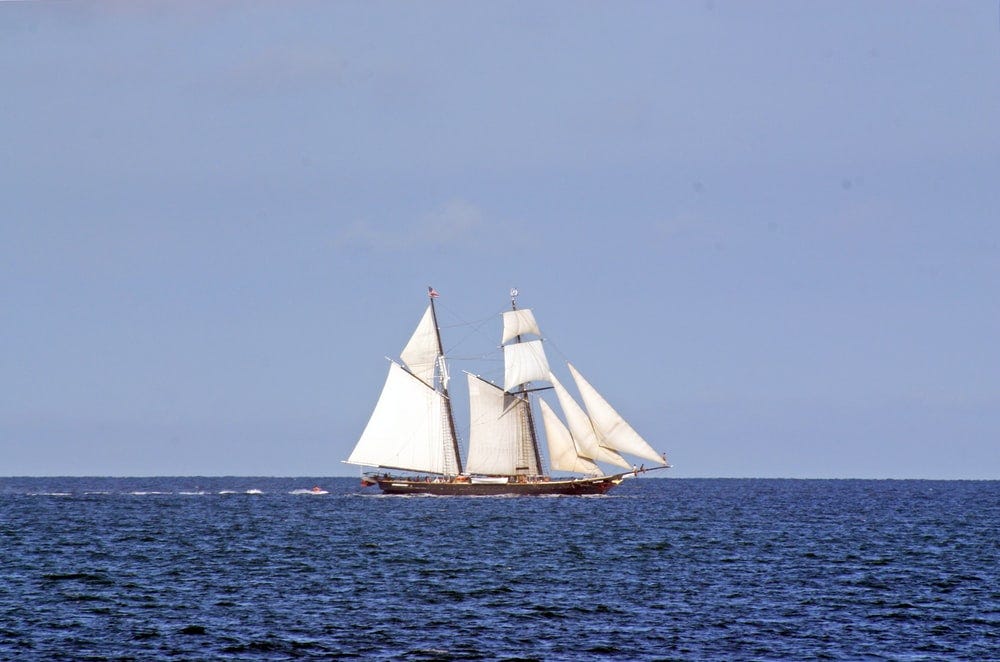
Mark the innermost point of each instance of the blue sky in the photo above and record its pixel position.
(768, 232)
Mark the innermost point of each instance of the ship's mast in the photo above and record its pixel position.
(449, 416)
(523, 393)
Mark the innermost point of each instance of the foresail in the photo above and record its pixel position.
(497, 431)
(614, 430)
(407, 429)
(421, 352)
(518, 323)
(562, 451)
(524, 362)
(583, 430)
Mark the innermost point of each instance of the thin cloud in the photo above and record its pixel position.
(287, 67)
(683, 225)
(457, 223)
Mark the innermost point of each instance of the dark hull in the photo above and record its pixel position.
(580, 486)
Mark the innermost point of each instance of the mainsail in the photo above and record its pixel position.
(499, 443)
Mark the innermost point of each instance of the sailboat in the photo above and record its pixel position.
(412, 428)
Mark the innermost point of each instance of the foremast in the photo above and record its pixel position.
(450, 434)
(412, 427)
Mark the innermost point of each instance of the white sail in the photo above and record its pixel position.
(563, 455)
(496, 431)
(582, 429)
(407, 429)
(421, 352)
(524, 362)
(518, 323)
(615, 432)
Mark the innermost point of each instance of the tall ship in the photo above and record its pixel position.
(412, 429)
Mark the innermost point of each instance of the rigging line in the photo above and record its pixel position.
(464, 323)
(551, 343)
(475, 327)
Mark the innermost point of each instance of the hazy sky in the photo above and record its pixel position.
(768, 232)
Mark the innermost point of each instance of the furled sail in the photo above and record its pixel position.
(518, 323)
(582, 429)
(614, 430)
(421, 352)
(524, 362)
(563, 455)
(407, 429)
(497, 431)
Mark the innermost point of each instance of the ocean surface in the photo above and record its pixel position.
(258, 568)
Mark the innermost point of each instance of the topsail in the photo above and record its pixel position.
(524, 362)
(421, 353)
(519, 323)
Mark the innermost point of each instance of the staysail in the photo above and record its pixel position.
(582, 429)
(563, 454)
(615, 432)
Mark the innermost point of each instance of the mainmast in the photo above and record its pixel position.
(531, 437)
(449, 416)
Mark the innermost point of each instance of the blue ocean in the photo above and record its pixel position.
(659, 569)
